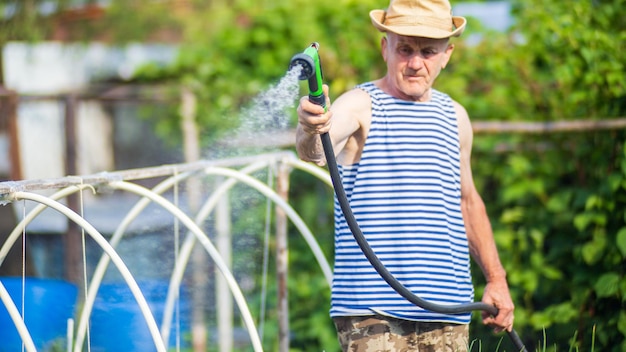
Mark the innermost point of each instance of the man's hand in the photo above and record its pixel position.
(312, 121)
(312, 118)
(497, 294)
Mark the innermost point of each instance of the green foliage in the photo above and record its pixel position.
(581, 46)
(561, 61)
(557, 201)
(24, 20)
(232, 53)
(309, 294)
(557, 214)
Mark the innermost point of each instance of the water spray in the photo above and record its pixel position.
(309, 61)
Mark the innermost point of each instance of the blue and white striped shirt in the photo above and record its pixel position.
(405, 193)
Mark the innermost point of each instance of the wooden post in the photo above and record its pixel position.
(200, 281)
(12, 265)
(282, 257)
(72, 240)
(8, 113)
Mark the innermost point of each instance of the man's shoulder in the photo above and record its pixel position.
(356, 97)
(458, 107)
(439, 95)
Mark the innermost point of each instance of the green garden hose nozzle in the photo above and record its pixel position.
(309, 60)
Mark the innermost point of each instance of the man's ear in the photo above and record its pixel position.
(447, 54)
(383, 47)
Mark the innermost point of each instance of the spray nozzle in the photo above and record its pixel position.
(309, 61)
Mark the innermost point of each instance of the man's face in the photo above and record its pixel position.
(413, 64)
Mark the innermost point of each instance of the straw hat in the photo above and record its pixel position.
(419, 18)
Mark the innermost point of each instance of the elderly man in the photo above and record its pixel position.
(403, 150)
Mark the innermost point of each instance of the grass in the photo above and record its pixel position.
(542, 346)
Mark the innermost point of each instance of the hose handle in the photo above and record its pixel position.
(316, 92)
(318, 99)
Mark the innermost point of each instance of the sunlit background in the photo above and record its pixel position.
(88, 87)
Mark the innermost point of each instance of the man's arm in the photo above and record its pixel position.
(312, 121)
(342, 121)
(480, 235)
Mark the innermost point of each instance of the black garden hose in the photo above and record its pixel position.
(380, 267)
(311, 70)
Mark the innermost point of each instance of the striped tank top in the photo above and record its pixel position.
(405, 193)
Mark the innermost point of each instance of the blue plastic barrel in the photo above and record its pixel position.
(48, 304)
(117, 323)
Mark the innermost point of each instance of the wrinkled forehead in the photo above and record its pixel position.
(396, 39)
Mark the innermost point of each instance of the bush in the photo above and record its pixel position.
(557, 201)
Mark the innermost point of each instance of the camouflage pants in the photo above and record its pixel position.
(384, 334)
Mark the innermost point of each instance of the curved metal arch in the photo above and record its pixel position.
(204, 240)
(186, 248)
(290, 212)
(320, 173)
(6, 247)
(110, 251)
(102, 265)
(17, 231)
(22, 330)
(205, 211)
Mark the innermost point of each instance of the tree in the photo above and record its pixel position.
(556, 200)
(26, 20)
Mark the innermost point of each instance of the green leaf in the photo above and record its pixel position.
(607, 285)
(593, 250)
(559, 202)
(620, 240)
(552, 273)
(558, 313)
(583, 220)
(621, 323)
(511, 216)
(594, 201)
